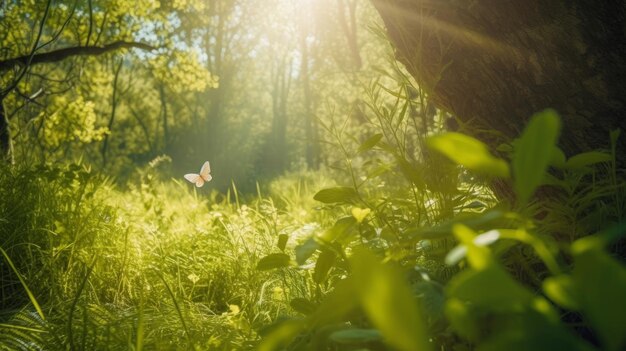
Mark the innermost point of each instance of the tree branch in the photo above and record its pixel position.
(61, 54)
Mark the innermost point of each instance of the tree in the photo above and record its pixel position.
(51, 26)
(495, 63)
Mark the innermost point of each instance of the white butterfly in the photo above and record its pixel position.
(204, 176)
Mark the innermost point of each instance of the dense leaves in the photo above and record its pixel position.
(346, 211)
(531, 159)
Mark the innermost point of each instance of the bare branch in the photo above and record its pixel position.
(61, 54)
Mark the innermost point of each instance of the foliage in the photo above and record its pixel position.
(516, 285)
(346, 212)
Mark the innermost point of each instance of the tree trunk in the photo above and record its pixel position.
(114, 101)
(312, 148)
(493, 63)
(5, 137)
(349, 27)
(277, 153)
(166, 134)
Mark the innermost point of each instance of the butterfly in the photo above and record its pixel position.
(200, 179)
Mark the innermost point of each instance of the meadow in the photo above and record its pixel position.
(162, 265)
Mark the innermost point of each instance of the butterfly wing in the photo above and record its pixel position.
(199, 182)
(195, 178)
(205, 172)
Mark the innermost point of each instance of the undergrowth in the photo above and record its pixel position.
(406, 249)
(156, 266)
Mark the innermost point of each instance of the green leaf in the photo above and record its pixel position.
(389, 303)
(304, 251)
(587, 159)
(338, 194)
(462, 319)
(370, 143)
(324, 262)
(282, 241)
(478, 257)
(342, 229)
(490, 288)
(614, 135)
(302, 305)
(336, 304)
(272, 261)
(562, 290)
(532, 331)
(355, 336)
(378, 171)
(533, 153)
(469, 152)
(601, 285)
(360, 213)
(281, 334)
(31, 296)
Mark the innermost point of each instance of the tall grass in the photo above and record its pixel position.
(158, 266)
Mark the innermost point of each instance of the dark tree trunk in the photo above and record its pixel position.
(5, 139)
(493, 63)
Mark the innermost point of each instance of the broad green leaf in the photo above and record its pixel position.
(302, 305)
(337, 304)
(491, 287)
(533, 153)
(479, 257)
(370, 143)
(272, 261)
(282, 241)
(431, 299)
(380, 170)
(532, 331)
(343, 228)
(587, 159)
(338, 194)
(360, 213)
(601, 285)
(280, 335)
(469, 152)
(486, 284)
(386, 147)
(462, 319)
(324, 262)
(304, 251)
(460, 251)
(355, 336)
(389, 303)
(562, 290)
(476, 221)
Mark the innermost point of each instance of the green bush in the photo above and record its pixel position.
(527, 274)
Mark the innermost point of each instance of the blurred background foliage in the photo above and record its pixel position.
(248, 85)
